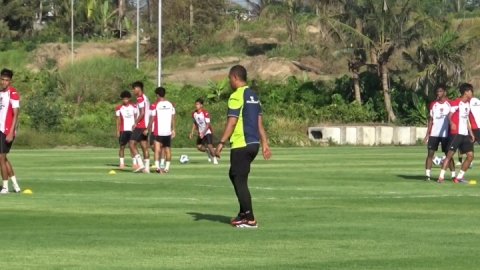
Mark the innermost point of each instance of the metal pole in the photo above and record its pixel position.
(138, 34)
(159, 75)
(71, 31)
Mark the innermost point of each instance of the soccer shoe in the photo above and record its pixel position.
(441, 180)
(215, 161)
(209, 160)
(146, 170)
(134, 166)
(121, 166)
(247, 224)
(427, 178)
(4, 191)
(139, 169)
(459, 181)
(17, 189)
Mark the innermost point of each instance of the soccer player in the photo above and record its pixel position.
(126, 115)
(9, 110)
(162, 124)
(475, 117)
(245, 129)
(140, 131)
(438, 129)
(461, 132)
(201, 123)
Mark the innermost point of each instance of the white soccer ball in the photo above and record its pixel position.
(184, 159)
(438, 160)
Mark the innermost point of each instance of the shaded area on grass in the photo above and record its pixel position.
(209, 217)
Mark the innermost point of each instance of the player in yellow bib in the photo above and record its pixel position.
(245, 130)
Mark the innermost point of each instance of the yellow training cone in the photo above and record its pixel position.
(27, 191)
(472, 182)
(112, 172)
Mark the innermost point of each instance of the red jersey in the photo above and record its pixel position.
(9, 100)
(127, 114)
(142, 102)
(202, 120)
(439, 112)
(460, 113)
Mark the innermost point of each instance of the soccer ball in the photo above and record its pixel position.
(184, 159)
(438, 160)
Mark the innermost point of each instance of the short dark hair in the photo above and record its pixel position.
(464, 87)
(138, 84)
(125, 94)
(6, 73)
(239, 71)
(199, 100)
(441, 86)
(160, 91)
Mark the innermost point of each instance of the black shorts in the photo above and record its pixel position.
(461, 142)
(4, 145)
(151, 139)
(433, 143)
(207, 139)
(138, 135)
(165, 141)
(476, 133)
(242, 158)
(124, 137)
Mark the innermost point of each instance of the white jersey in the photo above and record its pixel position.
(439, 112)
(127, 114)
(9, 100)
(202, 120)
(162, 112)
(475, 113)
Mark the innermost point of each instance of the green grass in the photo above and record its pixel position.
(318, 208)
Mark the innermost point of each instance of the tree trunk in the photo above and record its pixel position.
(121, 14)
(356, 86)
(386, 92)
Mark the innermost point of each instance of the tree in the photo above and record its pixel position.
(387, 26)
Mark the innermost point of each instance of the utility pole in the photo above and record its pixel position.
(159, 74)
(138, 34)
(71, 31)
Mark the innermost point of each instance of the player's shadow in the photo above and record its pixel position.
(209, 217)
(412, 177)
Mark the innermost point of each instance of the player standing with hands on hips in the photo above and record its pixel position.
(245, 130)
(9, 110)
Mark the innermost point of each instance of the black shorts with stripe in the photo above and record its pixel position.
(4, 145)
(206, 140)
(124, 138)
(463, 143)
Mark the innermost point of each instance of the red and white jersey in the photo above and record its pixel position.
(202, 121)
(439, 112)
(127, 114)
(9, 100)
(460, 113)
(475, 113)
(162, 112)
(143, 103)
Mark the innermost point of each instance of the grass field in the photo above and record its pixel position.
(318, 208)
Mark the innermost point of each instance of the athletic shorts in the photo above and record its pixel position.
(4, 145)
(433, 143)
(207, 139)
(463, 143)
(165, 141)
(151, 139)
(124, 137)
(476, 133)
(138, 135)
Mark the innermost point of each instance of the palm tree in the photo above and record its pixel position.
(386, 26)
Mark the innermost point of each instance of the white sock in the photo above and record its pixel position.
(157, 164)
(428, 172)
(442, 174)
(215, 160)
(167, 166)
(14, 181)
(147, 163)
(5, 184)
(139, 160)
(122, 161)
(461, 173)
(162, 162)
(453, 174)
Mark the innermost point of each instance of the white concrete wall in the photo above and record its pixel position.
(369, 135)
